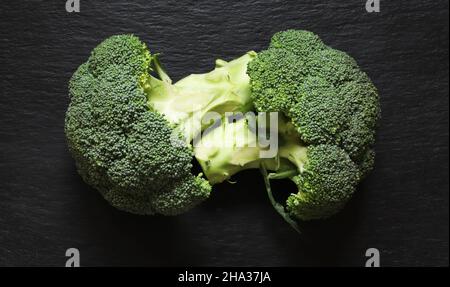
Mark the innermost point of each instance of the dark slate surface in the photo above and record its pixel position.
(401, 209)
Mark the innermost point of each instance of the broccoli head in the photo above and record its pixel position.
(328, 110)
(334, 108)
(125, 125)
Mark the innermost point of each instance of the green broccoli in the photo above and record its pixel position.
(131, 130)
(126, 124)
(328, 114)
(333, 106)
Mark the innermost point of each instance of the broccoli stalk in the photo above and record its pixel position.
(185, 103)
(228, 149)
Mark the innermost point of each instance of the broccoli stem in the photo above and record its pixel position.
(233, 147)
(228, 149)
(185, 103)
(159, 70)
(220, 160)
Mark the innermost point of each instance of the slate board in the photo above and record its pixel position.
(401, 209)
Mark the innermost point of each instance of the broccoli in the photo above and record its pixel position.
(328, 114)
(334, 108)
(126, 125)
(131, 130)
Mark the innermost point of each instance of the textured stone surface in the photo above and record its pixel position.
(401, 209)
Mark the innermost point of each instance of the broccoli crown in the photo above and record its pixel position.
(334, 108)
(325, 183)
(322, 90)
(121, 146)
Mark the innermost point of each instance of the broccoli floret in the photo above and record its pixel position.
(274, 80)
(346, 117)
(326, 179)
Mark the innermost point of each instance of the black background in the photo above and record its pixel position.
(401, 209)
